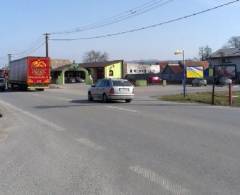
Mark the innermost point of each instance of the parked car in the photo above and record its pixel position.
(111, 89)
(79, 80)
(199, 82)
(224, 81)
(154, 79)
(2, 84)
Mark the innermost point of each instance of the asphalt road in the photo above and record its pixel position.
(55, 142)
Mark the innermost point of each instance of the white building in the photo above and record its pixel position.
(134, 68)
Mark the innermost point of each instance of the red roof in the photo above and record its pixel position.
(176, 69)
(163, 64)
(205, 64)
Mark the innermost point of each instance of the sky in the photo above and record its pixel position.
(24, 22)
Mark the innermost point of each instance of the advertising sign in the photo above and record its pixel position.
(228, 71)
(39, 70)
(195, 72)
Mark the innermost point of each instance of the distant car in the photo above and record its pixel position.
(154, 79)
(2, 84)
(111, 89)
(224, 81)
(199, 82)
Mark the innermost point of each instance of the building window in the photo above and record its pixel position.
(111, 73)
(226, 60)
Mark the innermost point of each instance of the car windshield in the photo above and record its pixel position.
(121, 83)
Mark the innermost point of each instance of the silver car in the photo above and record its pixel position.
(111, 89)
(199, 82)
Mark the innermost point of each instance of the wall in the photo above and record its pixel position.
(117, 70)
(60, 79)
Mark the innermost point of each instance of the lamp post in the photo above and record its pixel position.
(181, 52)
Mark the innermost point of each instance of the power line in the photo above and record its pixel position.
(119, 17)
(31, 47)
(33, 50)
(150, 26)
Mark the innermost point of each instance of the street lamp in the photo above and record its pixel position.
(181, 52)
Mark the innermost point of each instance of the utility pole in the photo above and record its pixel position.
(9, 59)
(184, 74)
(46, 42)
(213, 85)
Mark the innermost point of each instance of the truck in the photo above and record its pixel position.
(30, 73)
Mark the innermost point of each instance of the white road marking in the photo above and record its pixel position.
(164, 183)
(35, 117)
(89, 143)
(122, 109)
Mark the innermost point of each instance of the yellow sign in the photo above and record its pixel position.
(195, 72)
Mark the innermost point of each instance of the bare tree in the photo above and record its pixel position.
(234, 42)
(205, 52)
(95, 56)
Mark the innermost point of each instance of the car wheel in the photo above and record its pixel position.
(104, 98)
(90, 98)
(128, 100)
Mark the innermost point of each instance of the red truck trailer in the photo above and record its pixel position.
(30, 73)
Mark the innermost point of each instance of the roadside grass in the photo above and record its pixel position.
(221, 98)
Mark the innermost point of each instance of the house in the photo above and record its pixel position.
(173, 72)
(227, 62)
(162, 65)
(107, 69)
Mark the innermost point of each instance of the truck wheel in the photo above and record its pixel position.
(40, 89)
(128, 100)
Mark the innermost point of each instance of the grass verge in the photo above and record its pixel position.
(221, 98)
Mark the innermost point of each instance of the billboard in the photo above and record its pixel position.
(194, 72)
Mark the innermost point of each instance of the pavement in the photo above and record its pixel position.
(56, 142)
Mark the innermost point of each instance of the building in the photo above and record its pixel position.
(4, 72)
(227, 61)
(70, 73)
(56, 63)
(108, 69)
(173, 72)
(136, 68)
(64, 71)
